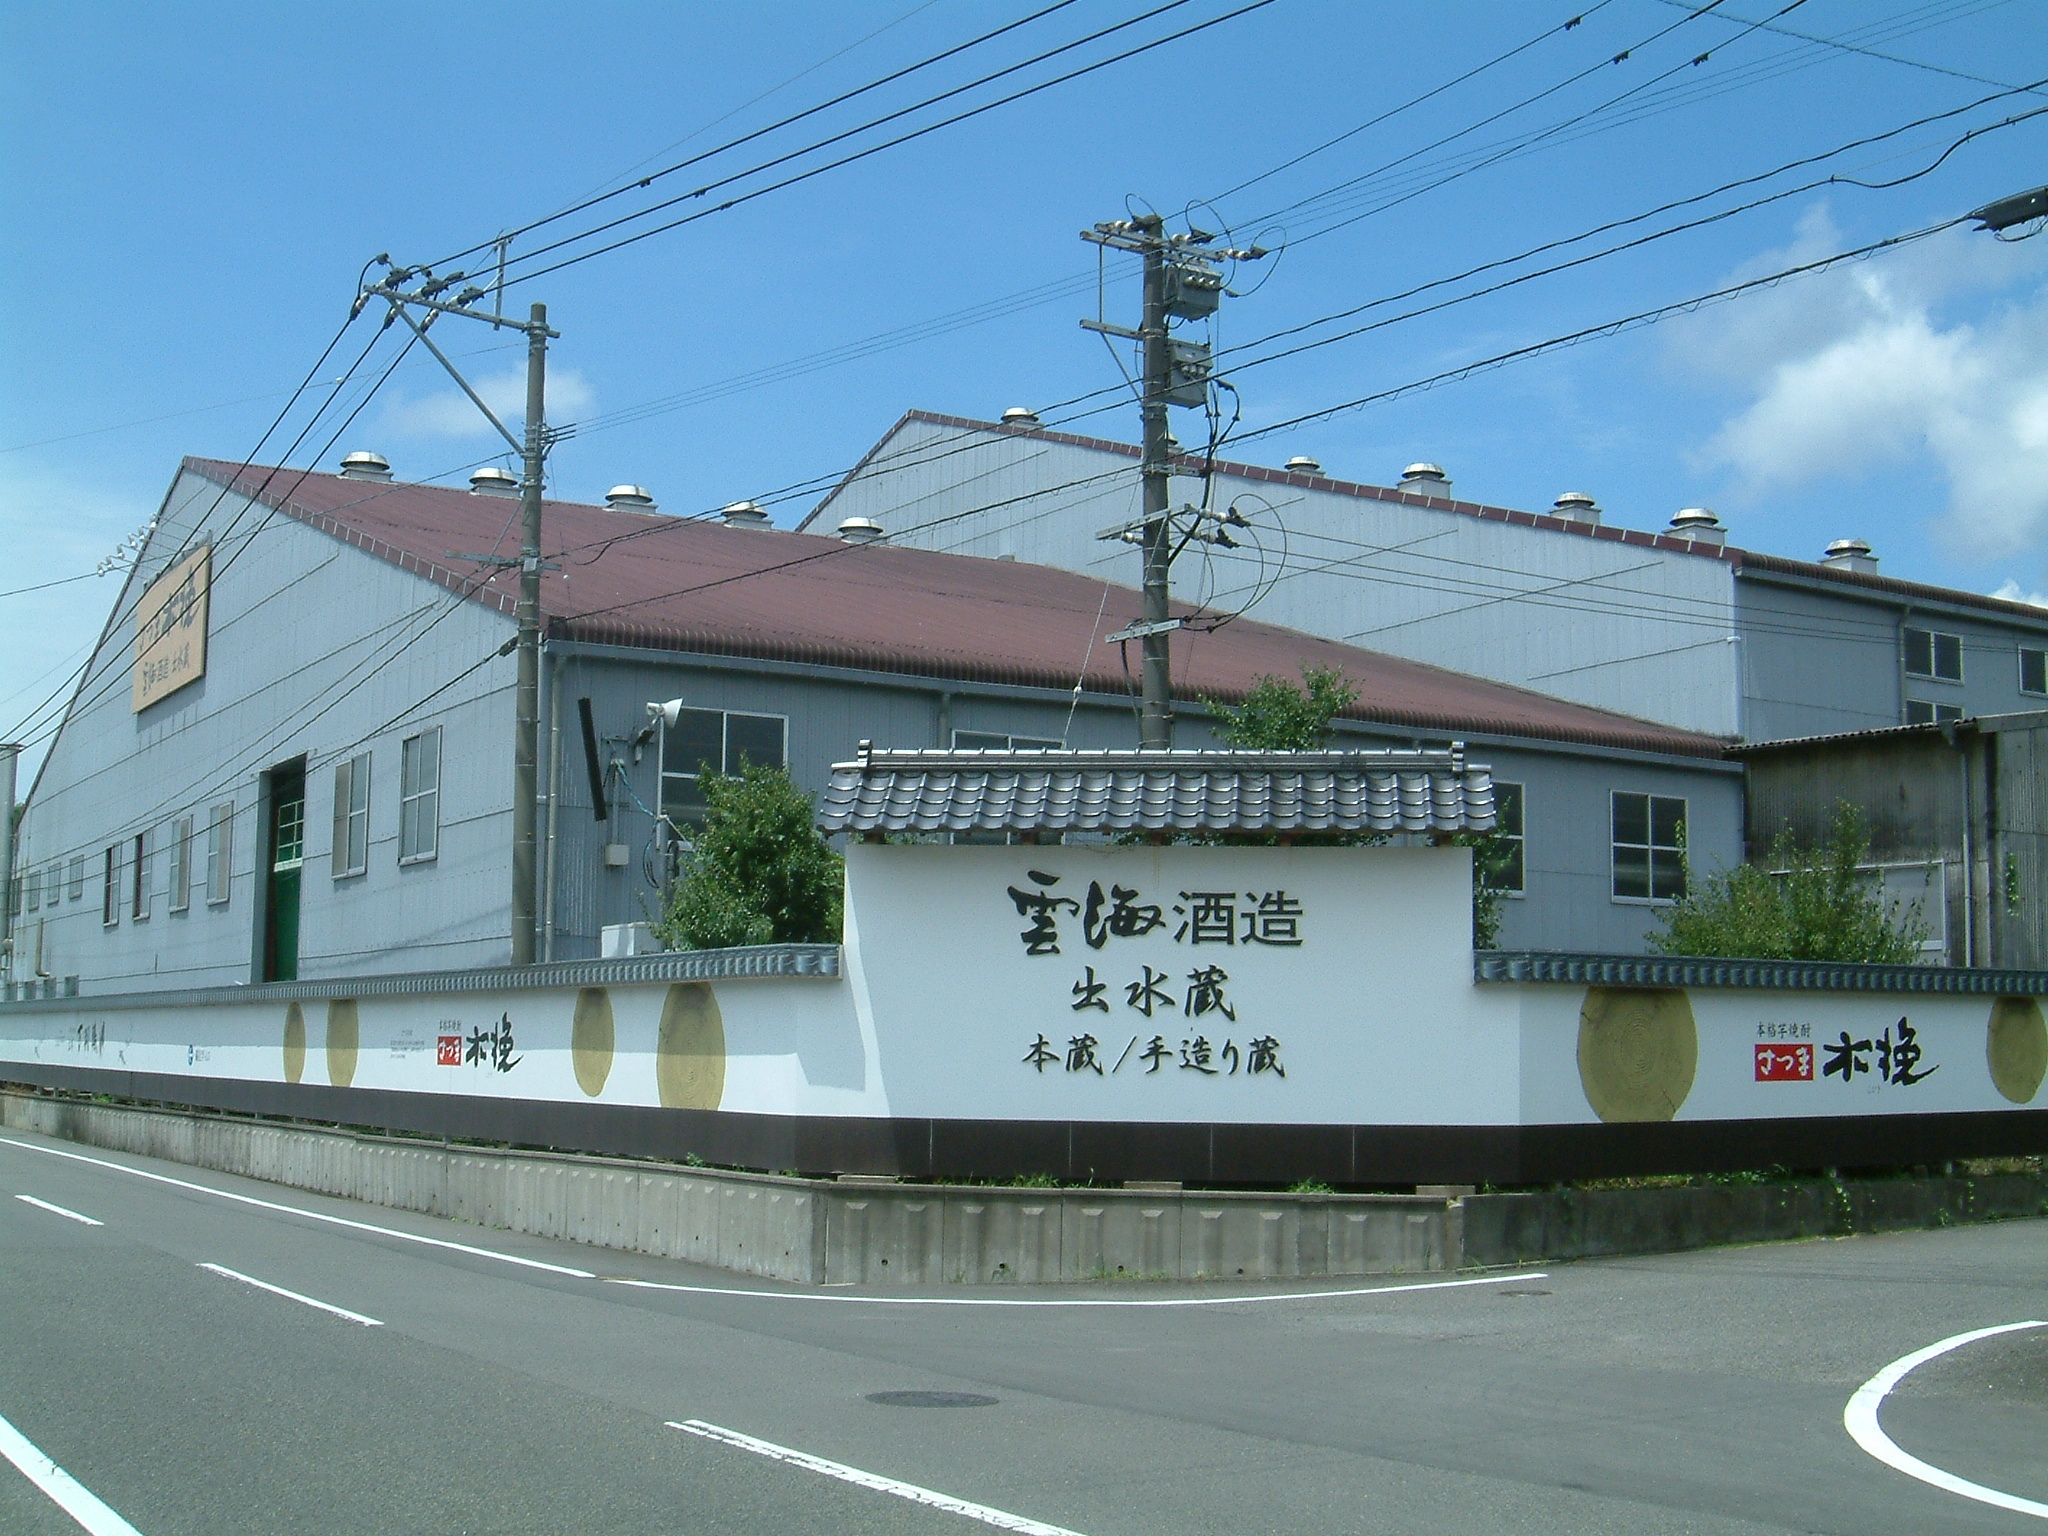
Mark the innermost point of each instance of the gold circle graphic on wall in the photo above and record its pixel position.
(2017, 1046)
(591, 1038)
(343, 1036)
(1638, 1049)
(689, 1054)
(294, 1043)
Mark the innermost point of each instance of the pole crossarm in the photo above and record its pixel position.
(385, 291)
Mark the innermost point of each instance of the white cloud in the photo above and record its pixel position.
(2013, 592)
(449, 413)
(1856, 369)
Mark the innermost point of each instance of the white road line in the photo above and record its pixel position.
(1075, 1301)
(1860, 1419)
(294, 1210)
(66, 1491)
(1002, 1520)
(58, 1210)
(278, 1290)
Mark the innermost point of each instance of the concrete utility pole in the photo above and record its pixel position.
(1181, 280)
(533, 454)
(526, 741)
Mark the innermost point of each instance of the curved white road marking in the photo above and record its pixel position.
(278, 1290)
(65, 1491)
(295, 1210)
(1071, 1301)
(58, 1210)
(1001, 1519)
(1860, 1419)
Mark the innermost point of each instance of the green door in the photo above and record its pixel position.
(287, 842)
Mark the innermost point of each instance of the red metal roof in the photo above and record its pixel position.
(683, 584)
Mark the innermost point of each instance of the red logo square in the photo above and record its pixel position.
(448, 1052)
(1784, 1063)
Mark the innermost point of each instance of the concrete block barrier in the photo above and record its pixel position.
(876, 1232)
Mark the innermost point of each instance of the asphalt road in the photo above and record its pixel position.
(1698, 1393)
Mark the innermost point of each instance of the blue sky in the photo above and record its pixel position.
(191, 191)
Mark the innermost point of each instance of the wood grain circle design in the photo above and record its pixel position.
(2017, 1046)
(344, 1036)
(689, 1053)
(591, 1039)
(1638, 1050)
(294, 1043)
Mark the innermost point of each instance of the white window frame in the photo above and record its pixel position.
(2040, 658)
(1650, 848)
(1934, 638)
(77, 878)
(31, 890)
(138, 887)
(220, 853)
(351, 854)
(1928, 712)
(1010, 743)
(419, 802)
(726, 764)
(110, 888)
(181, 864)
(1519, 838)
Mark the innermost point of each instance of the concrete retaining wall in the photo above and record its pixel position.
(819, 1232)
(795, 1229)
(1581, 1224)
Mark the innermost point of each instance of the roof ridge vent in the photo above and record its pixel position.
(745, 514)
(1700, 525)
(364, 465)
(493, 481)
(1577, 507)
(861, 530)
(1850, 555)
(630, 498)
(1021, 416)
(1425, 479)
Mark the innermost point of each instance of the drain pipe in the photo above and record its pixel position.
(547, 931)
(10, 752)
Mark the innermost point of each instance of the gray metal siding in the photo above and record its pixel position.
(297, 619)
(1624, 627)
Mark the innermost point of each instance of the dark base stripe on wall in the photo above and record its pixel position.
(1102, 1151)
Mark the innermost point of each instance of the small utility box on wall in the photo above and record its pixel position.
(617, 855)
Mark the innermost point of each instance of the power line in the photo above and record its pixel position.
(796, 117)
(1889, 58)
(875, 149)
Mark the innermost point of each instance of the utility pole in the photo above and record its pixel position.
(1181, 281)
(426, 294)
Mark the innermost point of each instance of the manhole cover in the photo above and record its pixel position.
(931, 1399)
(1524, 1291)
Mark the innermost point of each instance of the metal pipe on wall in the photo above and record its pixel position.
(547, 929)
(9, 754)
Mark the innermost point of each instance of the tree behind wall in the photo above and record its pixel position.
(760, 872)
(1278, 716)
(1801, 904)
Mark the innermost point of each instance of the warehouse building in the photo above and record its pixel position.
(291, 755)
(1669, 623)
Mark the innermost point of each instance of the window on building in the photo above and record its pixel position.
(181, 864)
(985, 741)
(419, 797)
(715, 741)
(2033, 670)
(1930, 653)
(1507, 832)
(1649, 847)
(138, 890)
(1921, 712)
(110, 887)
(77, 891)
(351, 816)
(220, 849)
(32, 890)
